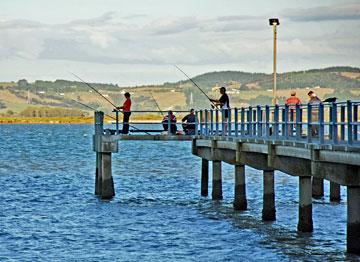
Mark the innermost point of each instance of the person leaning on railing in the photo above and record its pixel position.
(314, 100)
(292, 101)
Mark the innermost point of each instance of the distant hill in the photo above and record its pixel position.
(244, 89)
(334, 77)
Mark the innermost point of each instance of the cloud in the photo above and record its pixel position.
(243, 42)
(344, 11)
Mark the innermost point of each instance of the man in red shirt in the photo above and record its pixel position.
(293, 100)
(126, 111)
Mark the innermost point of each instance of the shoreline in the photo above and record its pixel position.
(65, 120)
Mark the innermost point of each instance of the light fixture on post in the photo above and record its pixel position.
(274, 22)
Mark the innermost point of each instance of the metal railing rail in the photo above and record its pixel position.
(321, 123)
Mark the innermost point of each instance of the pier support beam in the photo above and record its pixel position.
(334, 192)
(98, 175)
(353, 220)
(240, 202)
(305, 223)
(107, 185)
(204, 176)
(268, 212)
(217, 181)
(317, 187)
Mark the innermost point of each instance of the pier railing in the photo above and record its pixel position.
(151, 122)
(323, 123)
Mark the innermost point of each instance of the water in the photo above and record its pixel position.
(48, 211)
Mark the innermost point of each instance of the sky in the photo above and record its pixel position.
(138, 42)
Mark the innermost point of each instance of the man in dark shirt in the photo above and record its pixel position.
(224, 103)
(189, 123)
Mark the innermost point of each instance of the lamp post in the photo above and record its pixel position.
(274, 22)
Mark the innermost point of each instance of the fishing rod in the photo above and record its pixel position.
(107, 115)
(91, 108)
(104, 98)
(93, 88)
(196, 85)
(157, 104)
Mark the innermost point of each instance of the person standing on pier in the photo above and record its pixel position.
(126, 113)
(224, 103)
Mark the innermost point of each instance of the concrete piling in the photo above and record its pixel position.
(217, 181)
(305, 223)
(268, 212)
(98, 174)
(107, 186)
(240, 202)
(103, 145)
(334, 192)
(353, 220)
(204, 176)
(317, 187)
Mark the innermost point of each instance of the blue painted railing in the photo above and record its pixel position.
(322, 123)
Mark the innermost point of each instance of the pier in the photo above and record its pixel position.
(313, 142)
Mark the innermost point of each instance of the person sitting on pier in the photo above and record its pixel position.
(126, 113)
(165, 122)
(189, 123)
(224, 103)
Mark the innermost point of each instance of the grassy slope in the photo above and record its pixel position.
(252, 87)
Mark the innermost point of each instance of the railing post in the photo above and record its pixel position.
(267, 121)
(286, 120)
(330, 121)
(309, 123)
(298, 122)
(201, 122)
(117, 121)
(276, 121)
(259, 121)
(342, 125)
(349, 122)
(236, 121)
(292, 121)
(242, 125)
(355, 120)
(321, 123)
(206, 122)
(334, 123)
(229, 122)
(222, 122)
(249, 117)
(217, 121)
(169, 124)
(196, 123)
(99, 123)
(254, 121)
(211, 122)
(283, 127)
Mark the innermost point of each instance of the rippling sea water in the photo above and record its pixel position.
(48, 210)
